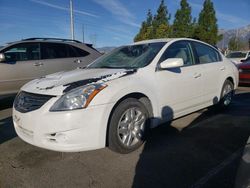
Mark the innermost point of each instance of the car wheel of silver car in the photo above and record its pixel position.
(128, 126)
(226, 94)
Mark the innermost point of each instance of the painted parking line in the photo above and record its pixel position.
(212, 173)
(5, 113)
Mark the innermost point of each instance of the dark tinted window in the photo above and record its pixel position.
(237, 55)
(206, 54)
(76, 52)
(181, 49)
(54, 50)
(22, 52)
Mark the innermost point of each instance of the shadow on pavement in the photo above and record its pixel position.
(6, 101)
(204, 155)
(7, 131)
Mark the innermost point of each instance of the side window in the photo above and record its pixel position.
(54, 50)
(22, 52)
(206, 54)
(180, 49)
(76, 52)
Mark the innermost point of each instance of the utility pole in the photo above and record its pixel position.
(72, 21)
(237, 41)
(83, 33)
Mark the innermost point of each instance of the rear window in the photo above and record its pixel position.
(206, 54)
(54, 50)
(58, 50)
(76, 52)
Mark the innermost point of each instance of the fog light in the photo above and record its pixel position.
(58, 137)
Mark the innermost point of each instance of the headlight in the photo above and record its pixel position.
(78, 98)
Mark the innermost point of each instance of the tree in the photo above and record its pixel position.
(160, 22)
(207, 28)
(155, 27)
(235, 44)
(146, 28)
(183, 26)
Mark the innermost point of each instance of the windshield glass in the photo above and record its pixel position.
(134, 56)
(237, 55)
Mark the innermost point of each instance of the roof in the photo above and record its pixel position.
(164, 40)
(170, 40)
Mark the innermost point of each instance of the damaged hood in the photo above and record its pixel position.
(62, 82)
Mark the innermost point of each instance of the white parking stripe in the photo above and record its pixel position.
(201, 182)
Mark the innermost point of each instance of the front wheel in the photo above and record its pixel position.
(128, 126)
(226, 94)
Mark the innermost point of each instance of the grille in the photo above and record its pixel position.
(27, 102)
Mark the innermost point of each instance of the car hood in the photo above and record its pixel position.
(62, 82)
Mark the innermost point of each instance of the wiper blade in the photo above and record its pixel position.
(108, 67)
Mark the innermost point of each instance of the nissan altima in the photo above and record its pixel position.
(117, 99)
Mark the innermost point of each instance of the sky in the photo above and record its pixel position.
(104, 22)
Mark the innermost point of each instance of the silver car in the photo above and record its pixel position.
(32, 58)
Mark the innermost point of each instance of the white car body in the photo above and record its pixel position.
(171, 95)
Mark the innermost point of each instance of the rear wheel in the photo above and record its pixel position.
(226, 94)
(128, 126)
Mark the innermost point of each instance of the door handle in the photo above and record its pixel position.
(223, 68)
(78, 61)
(38, 64)
(196, 75)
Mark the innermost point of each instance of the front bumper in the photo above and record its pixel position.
(68, 131)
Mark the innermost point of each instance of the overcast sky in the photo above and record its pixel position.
(105, 22)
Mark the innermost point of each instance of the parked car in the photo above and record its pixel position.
(117, 98)
(244, 72)
(238, 56)
(32, 58)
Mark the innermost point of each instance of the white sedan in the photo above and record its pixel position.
(117, 99)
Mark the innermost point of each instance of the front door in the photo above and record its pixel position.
(180, 89)
(22, 64)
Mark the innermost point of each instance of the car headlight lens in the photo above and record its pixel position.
(78, 98)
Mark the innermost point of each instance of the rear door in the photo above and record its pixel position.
(213, 69)
(58, 57)
(22, 64)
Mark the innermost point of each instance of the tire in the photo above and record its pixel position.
(226, 96)
(129, 124)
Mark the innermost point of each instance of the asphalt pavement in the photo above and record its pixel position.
(199, 150)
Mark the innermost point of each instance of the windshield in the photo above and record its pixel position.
(237, 55)
(134, 56)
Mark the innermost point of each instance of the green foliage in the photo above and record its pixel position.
(155, 27)
(236, 44)
(146, 28)
(183, 26)
(207, 28)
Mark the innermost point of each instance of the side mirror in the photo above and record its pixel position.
(172, 63)
(2, 57)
